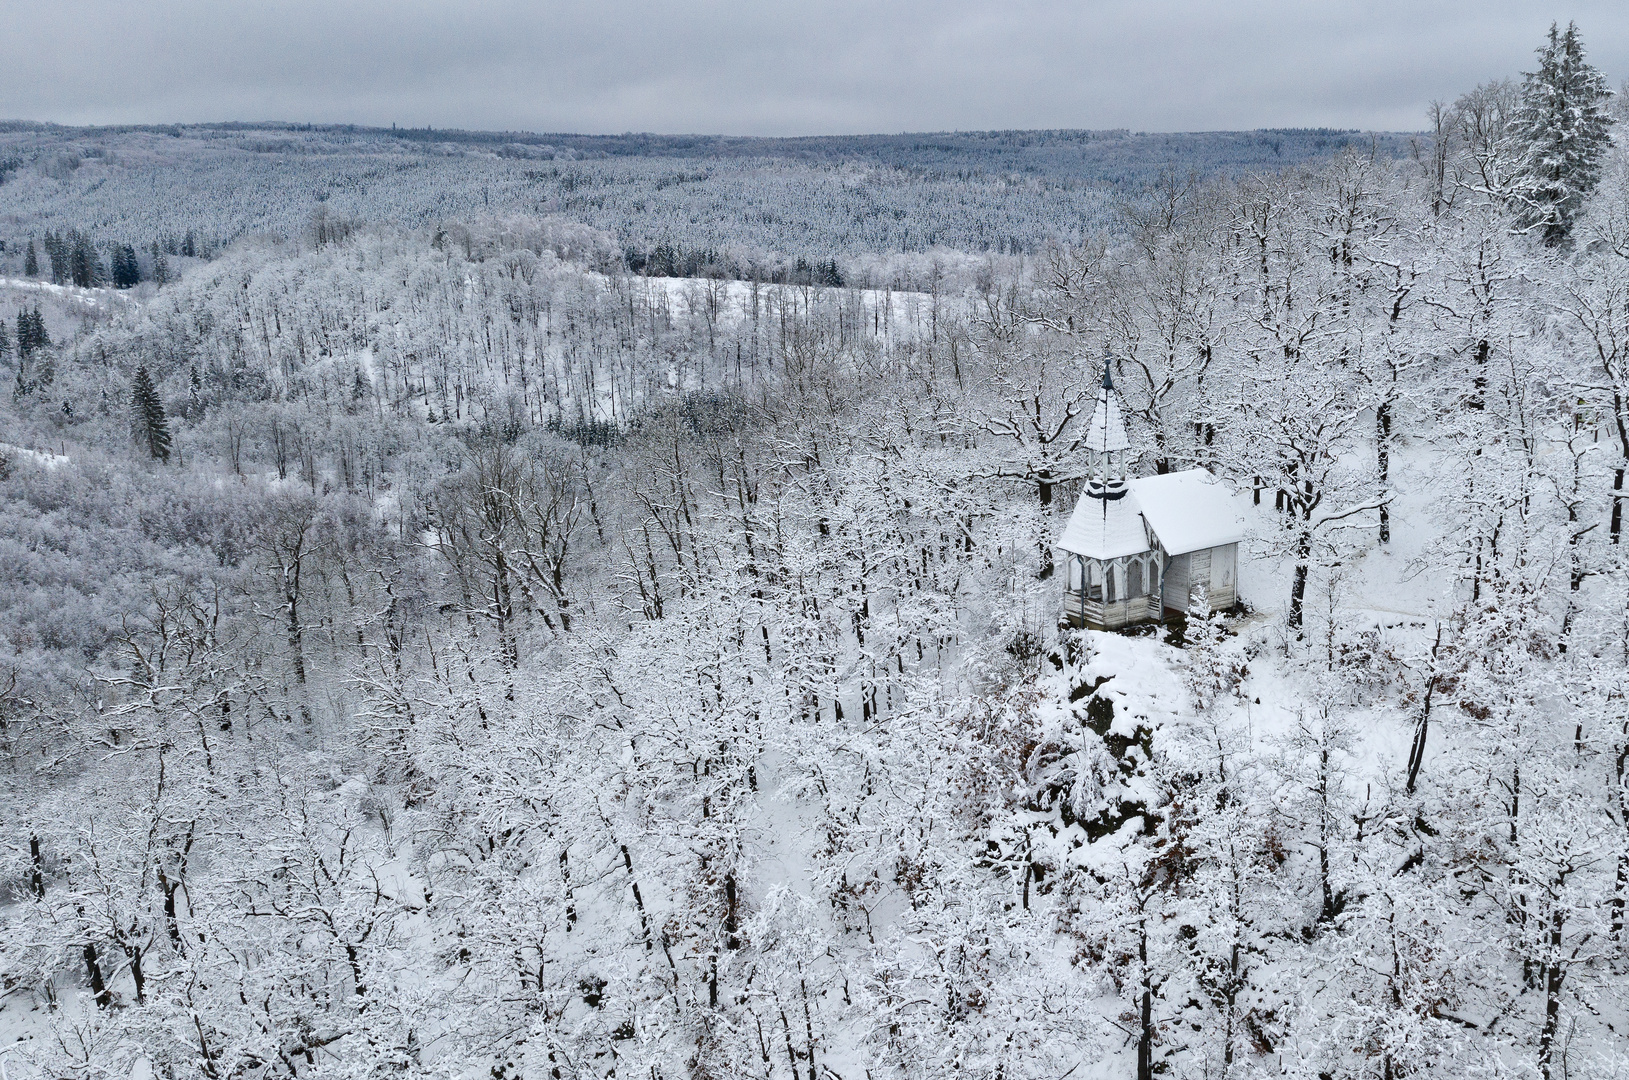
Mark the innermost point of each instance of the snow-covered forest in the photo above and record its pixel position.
(741, 205)
(439, 644)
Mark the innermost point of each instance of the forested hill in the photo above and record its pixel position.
(459, 652)
(772, 197)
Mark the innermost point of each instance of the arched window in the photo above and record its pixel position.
(1077, 574)
(1108, 585)
(1094, 580)
(1134, 582)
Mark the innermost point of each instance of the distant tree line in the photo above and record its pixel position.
(674, 260)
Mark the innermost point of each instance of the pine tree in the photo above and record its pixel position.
(86, 267)
(126, 268)
(5, 343)
(161, 266)
(31, 262)
(31, 335)
(1561, 135)
(152, 428)
(57, 250)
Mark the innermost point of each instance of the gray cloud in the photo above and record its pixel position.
(773, 68)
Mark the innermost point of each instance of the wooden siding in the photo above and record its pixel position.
(1217, 569)
(1097, 615)
(1224, 577)
(1176, 584)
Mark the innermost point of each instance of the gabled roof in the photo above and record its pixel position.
(1185, 511)
(1189, 511)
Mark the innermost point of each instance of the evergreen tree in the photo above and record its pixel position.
(126, 268)
(31, 262)
(57, 249)
(161, 265)
(31, 335)
(5, 343)
(85, 267)
(1561, 135)
(195, 400)
(152, 428)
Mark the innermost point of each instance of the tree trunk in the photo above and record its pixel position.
(1480, 384)
(1553, 975)
(1617, 503)
(99, 988)
(1416, 753)
(1622, 882)
(134, 953)
(1145, 1038)
(1298, 587)
(1383, 464)
(291, 598)
(1329, 908)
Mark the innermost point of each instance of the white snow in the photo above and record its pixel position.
(1108, 428)
(1188, 511)
(1105, 528)
(1185, 511)
(39, 457)
(88, 297)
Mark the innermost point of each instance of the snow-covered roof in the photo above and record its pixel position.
(1105, 528)
(1107, 433)
(1188, 511)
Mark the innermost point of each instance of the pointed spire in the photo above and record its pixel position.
(1107, 432)
(1105, 441)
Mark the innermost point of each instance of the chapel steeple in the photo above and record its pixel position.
(1107, 444)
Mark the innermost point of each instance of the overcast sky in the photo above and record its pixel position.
(761, 67)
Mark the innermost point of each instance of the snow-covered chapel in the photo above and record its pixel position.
(1137, 549)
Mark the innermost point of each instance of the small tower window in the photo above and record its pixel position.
(1108, 586)
(1077, 574)
(1134, 582)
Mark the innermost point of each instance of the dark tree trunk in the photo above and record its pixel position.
(1145, 1037)
(134, 953)
(1383, 464)
(296, 644)
(1298, 587)
(1617, 504)
(1622, 882)
(1553, 975)
(169, 889)
(1479, 385)
(1416, 753)
(731, 916)
(99, 988)
(36, 876)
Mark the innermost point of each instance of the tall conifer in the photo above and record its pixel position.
(161, 265)
(1561, 135)
(31, 335)
(126, 268)
(152, 427)
(31, 262)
